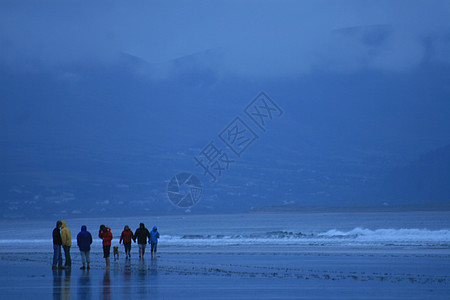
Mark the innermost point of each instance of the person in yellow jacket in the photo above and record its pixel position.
(66, 238)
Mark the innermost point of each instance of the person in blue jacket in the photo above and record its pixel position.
(154, 236)
(84, 241)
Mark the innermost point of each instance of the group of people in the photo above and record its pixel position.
(62, 238)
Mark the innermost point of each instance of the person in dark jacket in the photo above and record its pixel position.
(142, 234)
(106, 235)
(57, 243)
(154, 236)
(84, 241)
(126, 237)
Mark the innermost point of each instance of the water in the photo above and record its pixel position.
(420, 231)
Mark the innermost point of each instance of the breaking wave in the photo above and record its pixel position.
(356, 236)
(419, 235)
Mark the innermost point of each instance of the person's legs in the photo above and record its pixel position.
(88, 258)
(65, 255)
(83, 257)
(60, 257)
(143, 249)
(55, 255)
(140, 250)
(153, 250)
(106, 253)
(128, 249)
(68, 262)
(69, 257)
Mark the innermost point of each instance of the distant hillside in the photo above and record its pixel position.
(294, 208)
(426, 179)
(88, 140)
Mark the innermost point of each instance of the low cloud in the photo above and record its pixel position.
(251, 39)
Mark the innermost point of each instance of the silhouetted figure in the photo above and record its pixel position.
(106, 235)
(126, 236)
(142, 234)
(66, 237)
(84, 241)
(57, 243)
(154, 236)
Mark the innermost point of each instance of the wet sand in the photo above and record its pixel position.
(233, 274)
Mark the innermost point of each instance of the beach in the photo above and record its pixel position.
(278, 266)
(237, 275)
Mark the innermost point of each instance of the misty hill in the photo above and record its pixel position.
(89, 140)
(426, 179)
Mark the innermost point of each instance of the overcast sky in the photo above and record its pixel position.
(249, 38)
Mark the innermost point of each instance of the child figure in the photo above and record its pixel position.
(154, 236)
(126, 237)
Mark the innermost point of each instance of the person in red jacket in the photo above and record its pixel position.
(126, 236)
(106, 235)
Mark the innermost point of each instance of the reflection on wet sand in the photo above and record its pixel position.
(154, 267)
(61, 284)
(127, 278)
(142, 277)
(153, 278)
(84, 286)
(106, 285)
(138, 278)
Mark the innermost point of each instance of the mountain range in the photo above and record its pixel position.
(105, 139)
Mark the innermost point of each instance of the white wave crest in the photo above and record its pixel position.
(390, 235)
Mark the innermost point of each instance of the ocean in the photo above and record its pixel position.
(420, 231)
